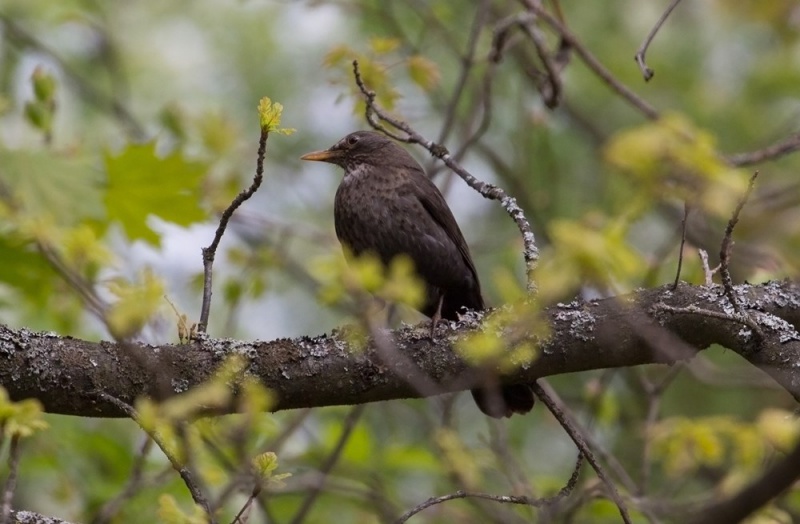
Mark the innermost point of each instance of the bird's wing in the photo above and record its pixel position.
(434, 203)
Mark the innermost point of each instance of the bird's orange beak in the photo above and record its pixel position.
(326, 155)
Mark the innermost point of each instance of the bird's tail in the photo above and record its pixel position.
(506, 401)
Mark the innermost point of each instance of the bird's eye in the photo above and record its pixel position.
(351, 140)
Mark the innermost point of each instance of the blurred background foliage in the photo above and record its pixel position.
(126, 127)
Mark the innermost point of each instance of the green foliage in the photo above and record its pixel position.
(170, 513)
(687, 445)
(423, 72)
(671, 157)
(25, 269)
(20, 419)
(135, 305)
(593, 251)
(503, 340)
(141, 183)
(343, 278)
(48, 188)
(375, 67)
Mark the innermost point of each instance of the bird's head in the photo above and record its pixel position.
(358, 149)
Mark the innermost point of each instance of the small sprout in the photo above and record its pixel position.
(270, 117)
(40, 112)
(264, 465)
(186, 331)
(44, 85)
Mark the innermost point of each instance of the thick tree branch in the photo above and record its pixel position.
(29, 517)
(68, 375)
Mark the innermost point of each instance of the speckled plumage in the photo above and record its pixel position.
(386, 204)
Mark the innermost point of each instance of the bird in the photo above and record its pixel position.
(387, 205)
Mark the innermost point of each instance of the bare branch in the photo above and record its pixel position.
(592, 62)
(29, 517)
(648, 73)
(777, 150)
(188, 476)
(11, 481)
(505, 499)
(134, 483)
(683, 243)
(467, 64)
(322, 371)
(549, 398)
(725, 248)
(347, 428)
(210, 252)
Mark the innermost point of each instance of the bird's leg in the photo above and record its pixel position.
(437, 316)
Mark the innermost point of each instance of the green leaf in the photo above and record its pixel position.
(137, 303)
(337, 56)
(25, 269)
(44, 84)
(423, 72)
(140, 183)
(63, 186)
(382, 46)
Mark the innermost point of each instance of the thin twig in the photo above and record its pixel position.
(347, 428)
(11, 480)
(210, 252)
(725, 249)
(188, 476)
(238, 518)
(467, 63)
(648, 73)
(654, 394)
(683, 243)
(375, 115)
(694, 310)
(776, 150)
(461, 494)
(592, 62)
(549, 400)
(551, 92)
(134, 483)
(708, 273)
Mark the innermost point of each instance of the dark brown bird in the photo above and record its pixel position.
(387, 205)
